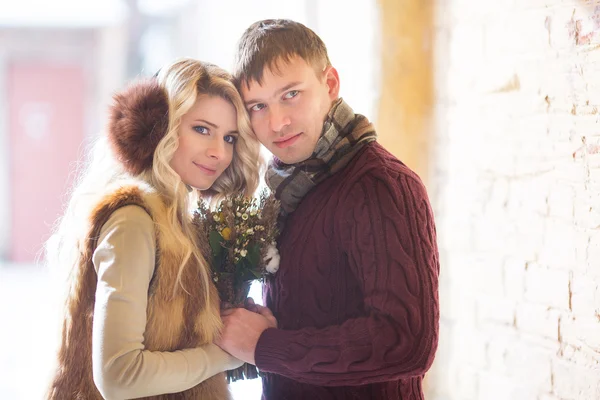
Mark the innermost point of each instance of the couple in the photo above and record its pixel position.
(352, 312)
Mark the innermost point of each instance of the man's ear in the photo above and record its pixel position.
(332, 79)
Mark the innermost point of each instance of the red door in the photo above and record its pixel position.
(46, 129)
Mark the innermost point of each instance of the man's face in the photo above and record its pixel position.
(288, 110)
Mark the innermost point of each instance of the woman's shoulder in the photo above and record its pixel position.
(130, 215)
(130, 202)
(128, 192)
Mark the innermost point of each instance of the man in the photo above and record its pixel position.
(356, 295)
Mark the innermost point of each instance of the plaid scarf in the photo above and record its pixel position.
(344, 134)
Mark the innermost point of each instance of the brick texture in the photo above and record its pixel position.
(515, 177)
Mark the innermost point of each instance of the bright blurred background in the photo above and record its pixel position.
(495, 103)
(60, 62)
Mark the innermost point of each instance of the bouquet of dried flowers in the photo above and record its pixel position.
(242, 235)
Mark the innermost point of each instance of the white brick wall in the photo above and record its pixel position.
(516, 187)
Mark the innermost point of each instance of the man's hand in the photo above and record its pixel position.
(242, 329)
(250, 305)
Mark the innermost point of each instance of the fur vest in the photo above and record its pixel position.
(173, 323)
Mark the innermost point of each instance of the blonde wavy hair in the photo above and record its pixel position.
(183, 80)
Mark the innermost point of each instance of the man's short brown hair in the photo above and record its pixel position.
(266, 43)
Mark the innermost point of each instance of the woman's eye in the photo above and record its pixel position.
(257, 107)
(201, 129)
(291, 94)
(231, 139)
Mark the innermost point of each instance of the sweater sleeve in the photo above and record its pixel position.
(388, 236)
(122, 368)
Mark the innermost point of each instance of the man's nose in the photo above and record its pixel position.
(278, 118)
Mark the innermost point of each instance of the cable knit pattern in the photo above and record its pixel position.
(356, 295)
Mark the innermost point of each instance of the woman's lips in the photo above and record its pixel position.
(207, 170)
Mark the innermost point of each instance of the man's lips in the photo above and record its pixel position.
(206, 169)
(287, 141)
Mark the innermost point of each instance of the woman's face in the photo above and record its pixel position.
(207, 136)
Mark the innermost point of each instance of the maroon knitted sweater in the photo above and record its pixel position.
(356, 295)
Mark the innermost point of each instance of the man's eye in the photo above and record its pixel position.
(291, 94)
(257, 107)
(201, 129)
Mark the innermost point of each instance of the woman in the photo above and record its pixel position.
(141, 311)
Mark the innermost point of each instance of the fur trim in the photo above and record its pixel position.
(139, 119)
(174, 322)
